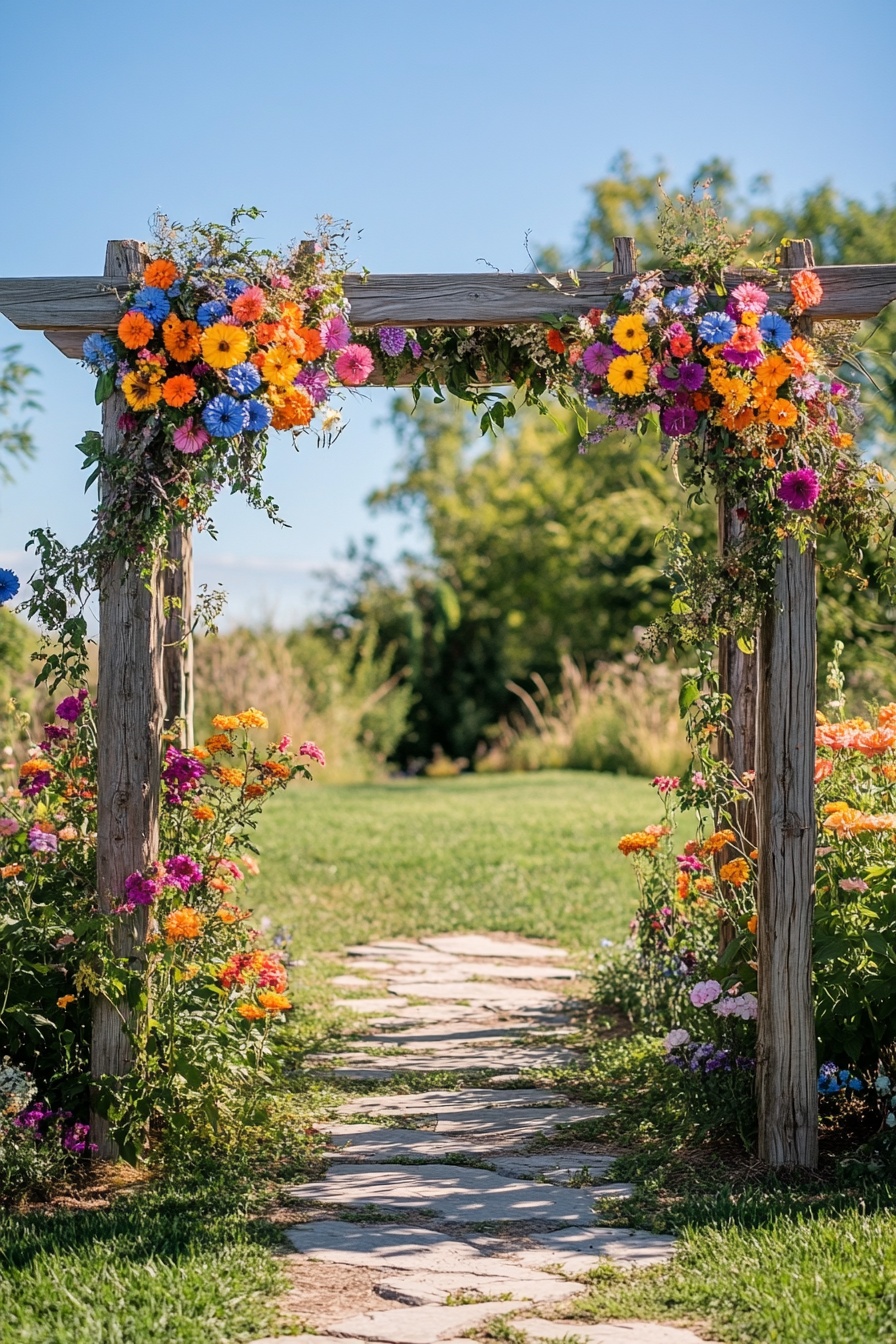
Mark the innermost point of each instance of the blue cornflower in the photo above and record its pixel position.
(856, 1084)
(259, 415)
(225, 417)
(682, 301)
(843, 1075)
(9, 584)
(99, 353)
(175, 289)
(243, 378)
(211, 312)
(775, 329)
(716, 328)
(234, 288)
(152, 303)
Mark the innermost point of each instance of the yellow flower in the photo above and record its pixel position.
(279, 367)
(228, 775)
(218, 742)
(630, 332)
(65, 1000)
(627, 375)
(228, 723)
(252, 718)
(251, 1012)
(141, 391)
(183, 923)
(736, 872)
(637, 841)
(274, 1003)
(223, 345)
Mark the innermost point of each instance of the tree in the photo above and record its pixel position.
(17, 397)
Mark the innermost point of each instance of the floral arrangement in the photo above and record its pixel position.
(217, 992)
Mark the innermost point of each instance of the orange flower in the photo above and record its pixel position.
(274, 1003)
(701, 401)
(134, 330)
(774, 371)
(806, 289)
(228, 723)
(314, 345)
(180, 389)
(886, 716)
(681, 346)
(292, 315)
(704, 884)
(203, 813)
(68, 833)
(736, 421)
(746, 339)
(782, 413)
(717, 842)
(800, 353)
(276, 768)
(182, 924)
(218, 884)
(160, 274)
(736, 394)
(555, 341)
(229, 914)
(252, 718)
(65, 1000)
(683, 886)
(200, 753)
(11, 870)
(229, 776)
(255, 790)
(875, 742)
(36, 766)
(736, 872)
(181, 339)
(823, 770)
(218, 742)
(251, 1012)
(266, 332)
(249, 306)
(637, 841)
(291, 408)
(753, 924)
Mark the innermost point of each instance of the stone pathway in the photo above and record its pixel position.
(458, 1218)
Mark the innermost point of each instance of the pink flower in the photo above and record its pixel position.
(280, 282)
(354, 366)
(852, 884)
(665, 783)
(313, 750)
(799, 489)
(597, 358)
(748, 298)
(678, 1036)
(190, 438)
(9, 826)
(335, 332)
(698, 779)
(704, 992)
(688, 863)
(285, 743)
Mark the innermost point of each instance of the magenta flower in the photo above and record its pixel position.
(316, 382)
(677, 421)
(285, 743)
(181, 774)
(689, 863)
(669, 377)
(665, 783)
(691, 376)
(597, 358)
(698, 779)
(313, 750)
(799, 489)
(335, 332)
(190, 437)
(182, 872)
(72, 707)
(138, 890)
(748, 298)
(354, 366)
(745, 359)
(76, 1139)
(280, 282)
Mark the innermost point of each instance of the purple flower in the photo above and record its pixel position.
(312, 292)
(799, 489)
(72, 707)
(53, 733)
(9, 826)
(335, 332)
(76, 1139)
(181, 775)
(139, 890)
(392, 340)
(316, 382)
(182, 872)
(669, 377)
(745, 359)
(597, 358)
(33, 1118)
(34, 783)
(678, 420)
(704, 992)
(691, 376)
(42, 842)
(415, 348)
(689, 863)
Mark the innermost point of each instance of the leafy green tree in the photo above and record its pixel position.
(18, 396)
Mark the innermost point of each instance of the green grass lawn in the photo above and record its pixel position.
(531, 854)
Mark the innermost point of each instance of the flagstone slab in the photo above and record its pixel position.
(522, 1122)
(581, 1249)
(607, 1332)
(459, 1060)
(366, 1142)
(454, 1194)
(419, 1325)
(438, 1035)
(424, 1012)
(390, 1247)
(431, 1289)
(351, 982)
(556, 1167)
(477, 991)
(371, 1005)
(485, 970)
(443, 1102)
(480, 945)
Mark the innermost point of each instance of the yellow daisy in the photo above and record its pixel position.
(279, 367)
(141, 391)
(627, 375)
(224, 346)
(630, 332)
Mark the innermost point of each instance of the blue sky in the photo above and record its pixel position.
(444, 132)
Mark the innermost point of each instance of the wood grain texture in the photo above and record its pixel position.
(91, 303)
(129, 721)
(786, 1076)
(177, 582)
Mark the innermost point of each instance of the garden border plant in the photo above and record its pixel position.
(214, 342)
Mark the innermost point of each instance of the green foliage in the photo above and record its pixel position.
(17, 396)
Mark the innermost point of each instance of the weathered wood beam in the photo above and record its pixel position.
(91, 303)
(177, 581)
(129, 714)
(786, 1067)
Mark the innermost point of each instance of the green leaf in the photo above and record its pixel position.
(689, 692)
(105, 386)
(680, 607)
(746, 645)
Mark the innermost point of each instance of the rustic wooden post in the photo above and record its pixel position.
(178, 636)
(786, 1062)
(129, 714)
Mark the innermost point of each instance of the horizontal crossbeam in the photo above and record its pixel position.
(69, 307)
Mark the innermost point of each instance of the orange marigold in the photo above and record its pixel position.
(252, 718)
(65, 1000)
(226, 722)
(251, 1012)
(218, 742)
(806, 289)
(181, 339)
(637, 841)
(782, 413)
(753, 924)
(800, 353)
(274, 1003)
(203, 813)
(276, 768)
(230, 776)
(291, 408)
(135, 330)
(736, 872)
(37, 765)
(314, 346)
(183, 924)
(10, 870)
(704, 884)
(682, 886)
(180, 389)
(255, 790)
(774, 371)
(886, 716)
(716, 842)
(160, 274)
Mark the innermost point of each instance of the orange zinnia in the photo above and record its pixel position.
(736, 872)
(203, 813)
(782, 413)
(134, 330)
(314, 345)
(251, 1012)
(886, 716)
(255, 790)
(292, 407)
(266, 332)
(181, 339)
(774, 371)
(249, 305)
(160, 274)
(555, 341)
(806, 289)
(218, 742)
(183, 924)
(180, 389)
(800, 353)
